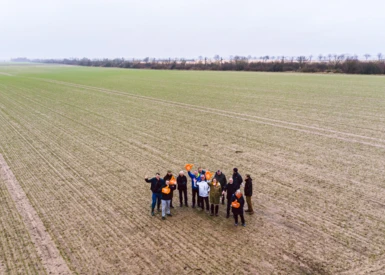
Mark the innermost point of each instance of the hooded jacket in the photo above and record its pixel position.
(215, 193)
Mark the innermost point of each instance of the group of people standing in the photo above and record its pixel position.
(208, 191)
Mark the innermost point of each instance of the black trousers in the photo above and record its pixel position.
(228, 206)
(184, 192)
(223, 199)
(195, 196)
(216, 207)
(236, 218)
(204, 200)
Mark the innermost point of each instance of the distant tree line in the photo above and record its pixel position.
(331, 63)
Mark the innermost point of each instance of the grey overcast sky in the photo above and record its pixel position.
(189, 28)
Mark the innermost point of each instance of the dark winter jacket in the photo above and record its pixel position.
(237, 179)
(182, 182)
(155, 184)
(169, 195)
(166, 178)
(230, 189)
(221, 179)
(241, 200)
(248, 187)
(193, 185)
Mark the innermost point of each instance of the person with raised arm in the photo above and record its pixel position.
(195, 189)
(156, 188)
(201, 172)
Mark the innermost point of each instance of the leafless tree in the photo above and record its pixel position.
(320, 57)
(379, 55)
(265, 58)
(301, 59)
(367, 56)
(310, 57)
(330, 57)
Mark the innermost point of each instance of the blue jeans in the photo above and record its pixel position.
(155, 196)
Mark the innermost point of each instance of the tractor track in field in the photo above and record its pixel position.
(347, 137)
(89, 193)
(46, 248)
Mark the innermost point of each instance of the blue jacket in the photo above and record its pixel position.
(192, 176)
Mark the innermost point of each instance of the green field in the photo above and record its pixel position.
(80, 141)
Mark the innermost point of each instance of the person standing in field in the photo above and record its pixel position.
(167, 189)
(168, 177)
(201, 172)
(204, 190)
(215, 196)
(182, 188)
(237, 203)
(237, 178)
(156, 188)
(249, 193)
(221, 178)
(230, 189)
(195, 188)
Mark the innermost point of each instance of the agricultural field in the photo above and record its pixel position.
(79, 142)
